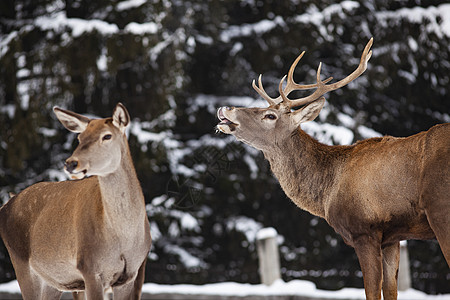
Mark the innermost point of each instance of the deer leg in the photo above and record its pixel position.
(368, 250)
(78, 295)
(94, 288)
(49, 292)
(29, 288)
(440, 224)
(132, 290)
(435, 200)
(391, 257)
(139, 281)
(125, 292)
(31, 285)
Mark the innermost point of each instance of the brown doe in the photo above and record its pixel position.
(374, 193)
(85, 236)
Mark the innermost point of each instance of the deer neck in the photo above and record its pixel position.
(306, 170)
(121, 191)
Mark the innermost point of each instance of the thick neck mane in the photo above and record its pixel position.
(306, 169)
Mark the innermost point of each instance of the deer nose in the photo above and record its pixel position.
(70, 165)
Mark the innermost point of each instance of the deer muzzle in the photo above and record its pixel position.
(226, 125)
(224, 119)
(70, 166)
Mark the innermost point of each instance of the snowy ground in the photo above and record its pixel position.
(279, 288)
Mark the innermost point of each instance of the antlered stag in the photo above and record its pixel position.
(87, 235)
(373, 193)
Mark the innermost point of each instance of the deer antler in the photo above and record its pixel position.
(290, 86)
(262, 92)
(321, 87)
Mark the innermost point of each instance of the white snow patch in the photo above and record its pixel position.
(445, 15)
(245, 30)
(158, 48)
(250, 161)
(187, 259)
(47, 132)
(124, 5)
(329, 134)
(367, 132)
(9, 109)
(144, 136)
(59, 20)
(212, 103)
(207, 40)
(419, 15)
(4, 42)
(164, 204)
(316, 17)
(23, 73)
(10, 287)
(407, 75)
(155, 233)
(247, 226)
(141, 29)
(57, 174)
(346, 120)
(23, 89)
(266, 233)
(413, 44)
(278, 288)
(236, 48)
(157, 201)
(102, 62)
(189, 222)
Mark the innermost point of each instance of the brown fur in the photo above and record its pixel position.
(373, 193)
(85, 235)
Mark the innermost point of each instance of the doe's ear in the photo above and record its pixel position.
(72, 121)
(121, 118)
(308, 112)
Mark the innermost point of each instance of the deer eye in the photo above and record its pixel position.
(107, 137)
(270, 117)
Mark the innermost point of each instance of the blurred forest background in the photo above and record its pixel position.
(172, 63)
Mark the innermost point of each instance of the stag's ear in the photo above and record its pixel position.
(121, 118)
(308, 112)
(72, 121)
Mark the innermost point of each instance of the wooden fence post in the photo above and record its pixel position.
(404, 273)
(269, 260)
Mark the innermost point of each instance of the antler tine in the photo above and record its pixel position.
(292, 85)
(280, 89)
(366, 55)
(283, 93)
(301, 101)
(322, 88)
(260, 90)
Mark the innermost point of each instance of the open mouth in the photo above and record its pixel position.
(223, 120)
